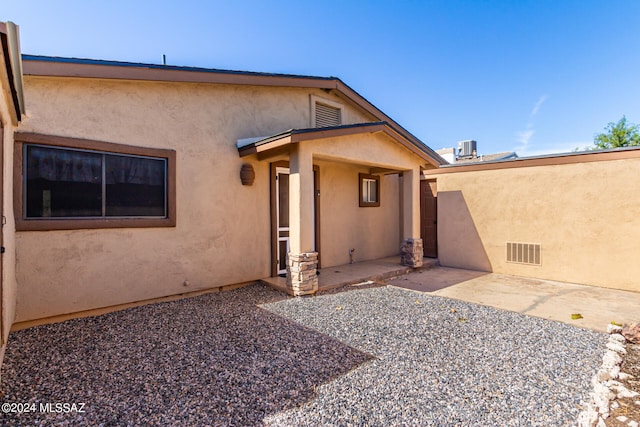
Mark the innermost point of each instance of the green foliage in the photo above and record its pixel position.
(621, 134)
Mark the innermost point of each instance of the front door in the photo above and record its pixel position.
(429, 217)
(282, 218)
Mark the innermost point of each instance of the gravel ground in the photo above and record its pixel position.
(217, 359)
(378, 356)
(444, 362)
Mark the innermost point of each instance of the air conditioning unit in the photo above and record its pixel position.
(467, 149)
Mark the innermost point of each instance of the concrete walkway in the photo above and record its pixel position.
(349, 274)
(541, 298)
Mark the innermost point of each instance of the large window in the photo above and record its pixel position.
(73, 183)
(90, 187)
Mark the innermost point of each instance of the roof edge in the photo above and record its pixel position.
(542, 160)
(89, 68)
(10, 45)
(144, 65)
(50, 66)
(250, 146)
(372, 109)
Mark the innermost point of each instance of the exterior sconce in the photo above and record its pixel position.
(247, 174)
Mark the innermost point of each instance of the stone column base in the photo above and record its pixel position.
(301, 273)
(411, 251)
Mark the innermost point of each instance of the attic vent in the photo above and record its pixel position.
(327, 116)
(524, 253)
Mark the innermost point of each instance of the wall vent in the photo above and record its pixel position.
(524, 253)
(327, 116)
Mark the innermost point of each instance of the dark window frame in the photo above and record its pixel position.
(23, 223)
(363, 203)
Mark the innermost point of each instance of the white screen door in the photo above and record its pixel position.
(282, 215)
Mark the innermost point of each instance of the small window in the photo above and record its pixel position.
(369, 190)
(68, 187)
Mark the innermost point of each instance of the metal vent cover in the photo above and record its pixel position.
(327, 116)
(466, 148)
(524, 253)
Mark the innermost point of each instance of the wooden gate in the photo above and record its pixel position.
(429, 217)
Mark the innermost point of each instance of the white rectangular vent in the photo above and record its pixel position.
(524, 253)
(327, 116)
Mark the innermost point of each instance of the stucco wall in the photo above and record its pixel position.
(9, 285)
(372, 231)
(223, 228)
(584, 215)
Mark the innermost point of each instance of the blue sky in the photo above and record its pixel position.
(531, 76)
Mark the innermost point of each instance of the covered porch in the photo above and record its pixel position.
(339, 190)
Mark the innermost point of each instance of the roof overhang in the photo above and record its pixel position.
(50, 66)
(261, 146)
(621, 153)
(86, 68)
(11, 62)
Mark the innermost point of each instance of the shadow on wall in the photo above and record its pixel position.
(459, 244)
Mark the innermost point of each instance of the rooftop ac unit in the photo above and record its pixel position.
(467, 148)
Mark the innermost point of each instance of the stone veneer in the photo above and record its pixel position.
(412, 252)
(302, 277)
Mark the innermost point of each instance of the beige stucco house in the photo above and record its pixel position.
(123, 183)
(129, 187)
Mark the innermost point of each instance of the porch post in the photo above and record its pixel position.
(302, 262)
(411, 248)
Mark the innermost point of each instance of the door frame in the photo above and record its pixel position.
(279, 228)
(274, 213)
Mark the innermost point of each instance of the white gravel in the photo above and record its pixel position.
(368, 357)
(444, 362)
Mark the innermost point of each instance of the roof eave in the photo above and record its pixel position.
(12, 70)
(299, 135)
(67, 67)
(342, 87)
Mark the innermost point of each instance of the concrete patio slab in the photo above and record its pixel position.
(541, 298)
(349, 274)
